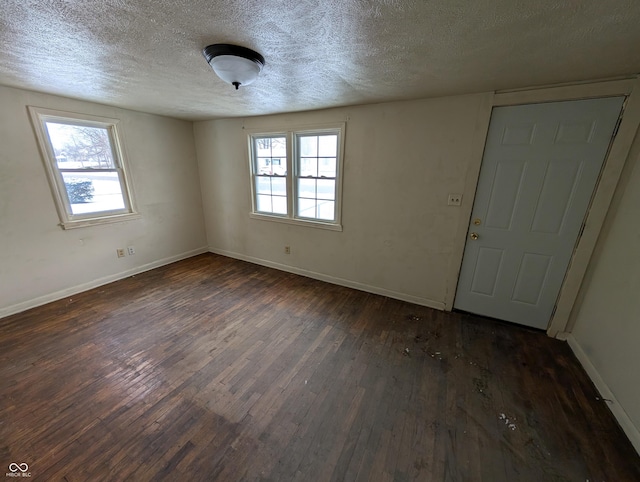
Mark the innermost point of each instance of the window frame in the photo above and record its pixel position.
(292, 175)
(254, 174)
(68, 220)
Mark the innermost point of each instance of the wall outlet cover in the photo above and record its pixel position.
(454, 200)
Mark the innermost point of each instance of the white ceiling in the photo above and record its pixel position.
(146, 54)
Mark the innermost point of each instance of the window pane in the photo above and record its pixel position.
(307, 188)
(270, 146)
(279, 147)
(263, 203)
(308, 166)
(271, 166)
(262, 146)
(80, 147)
(263, 165)
(327, 167)
(279, 186)
(308, 146)
(263, 186)
(279, 205)
(306, 208)
(326, 189)
(326, 210)
(328, 146)
(278, 168)
(91, 192)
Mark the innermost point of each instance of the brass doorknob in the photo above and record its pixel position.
(473, 236)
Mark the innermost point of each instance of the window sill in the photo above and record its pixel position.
(83, 223)
(299, 222)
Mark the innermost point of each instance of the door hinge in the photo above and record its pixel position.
(619, 121)
(617, 127)
(581, 230)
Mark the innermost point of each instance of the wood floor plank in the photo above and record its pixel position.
(217, 369)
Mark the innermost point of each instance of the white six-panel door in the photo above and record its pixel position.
(540, 167)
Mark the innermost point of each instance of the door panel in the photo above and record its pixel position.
(486, 272)
(561, 181)
(504, 194)
(539, 170)
(531, 277)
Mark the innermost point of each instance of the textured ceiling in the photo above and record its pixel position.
(146, 54)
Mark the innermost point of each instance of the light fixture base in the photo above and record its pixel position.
(234, 64)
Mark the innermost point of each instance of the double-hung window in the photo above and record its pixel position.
(297, 176)
(270, 156)
(85, 165)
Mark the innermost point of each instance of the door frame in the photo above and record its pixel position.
(561, 320)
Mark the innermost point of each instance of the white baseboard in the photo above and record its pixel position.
(562, 335)
(58, 295)
(605, 392)
(438, 305)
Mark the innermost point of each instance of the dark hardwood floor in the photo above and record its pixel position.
(216, 369)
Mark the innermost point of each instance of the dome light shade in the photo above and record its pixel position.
(233, 64)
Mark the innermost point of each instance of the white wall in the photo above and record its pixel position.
(39, 261)
(401, 161)
(606, 334)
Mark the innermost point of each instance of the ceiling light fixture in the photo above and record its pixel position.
(234, 64)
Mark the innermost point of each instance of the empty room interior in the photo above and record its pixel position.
(381, 240)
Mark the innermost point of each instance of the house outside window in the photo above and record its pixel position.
(297, 176)
(85, 166)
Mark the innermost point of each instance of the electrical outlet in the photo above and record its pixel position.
(120, 252)
(454, 200)
(131, 250)
(287, 250)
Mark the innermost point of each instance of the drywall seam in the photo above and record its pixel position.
(605, 392)
(332, 279)
(58, 295)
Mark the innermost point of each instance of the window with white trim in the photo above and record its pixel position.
(270, 174)
(85, 165)
(297, 176)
